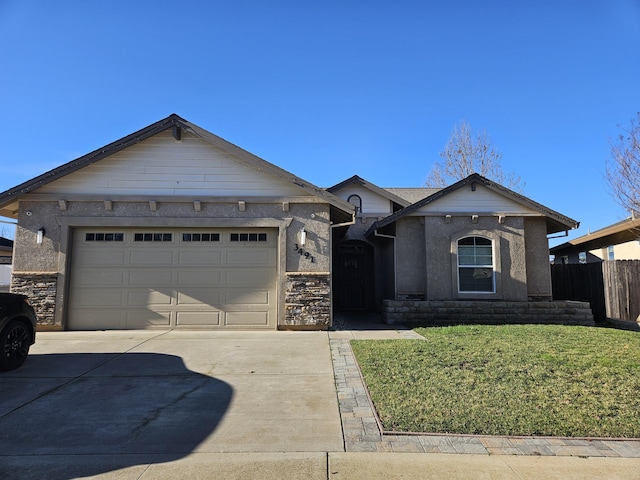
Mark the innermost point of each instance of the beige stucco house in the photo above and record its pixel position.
(174, 227)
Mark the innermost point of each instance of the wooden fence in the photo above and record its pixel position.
(611, 287)
(622, 289)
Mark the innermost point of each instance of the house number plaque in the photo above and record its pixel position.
(304, 253)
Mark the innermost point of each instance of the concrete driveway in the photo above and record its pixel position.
(232, 405)
(116, 399)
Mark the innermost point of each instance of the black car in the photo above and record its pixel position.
(17, 330)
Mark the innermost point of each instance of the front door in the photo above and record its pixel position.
(353, 289)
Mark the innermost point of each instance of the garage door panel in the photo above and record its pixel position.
(146, 318)
(97, 299)
(154, 277)
(248, 278)
(96, 319)
(200, 258)
(100, 277)
(212, 278)
(247, 319)
(149, 297)
(208, 297)
(153, 257)
(257, 297)
(198, 319)
(168, 284)
(101, 257)
(250, 257)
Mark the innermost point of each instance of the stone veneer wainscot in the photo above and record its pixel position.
(308, 300)
(41, 288)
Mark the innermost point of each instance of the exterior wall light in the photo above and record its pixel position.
(40, 235)
(303, 236)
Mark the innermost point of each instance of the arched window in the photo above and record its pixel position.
(356, 201)
(475, 265)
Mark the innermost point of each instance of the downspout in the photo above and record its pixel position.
(331, 227)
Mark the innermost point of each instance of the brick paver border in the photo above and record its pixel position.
(362, 433)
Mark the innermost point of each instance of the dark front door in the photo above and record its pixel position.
(354, 279)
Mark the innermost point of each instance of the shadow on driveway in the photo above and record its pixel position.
(119, 409)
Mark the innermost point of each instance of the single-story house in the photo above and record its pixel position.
(174, 227)
(619, 241)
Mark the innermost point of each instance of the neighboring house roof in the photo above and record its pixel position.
(343, 210)
(383, 192)
(6, 251)
(412, 195)
(6, 243)
(556, 222)
(621, 232)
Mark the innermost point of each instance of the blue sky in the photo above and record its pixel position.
(331, 89)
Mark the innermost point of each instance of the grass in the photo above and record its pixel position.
(507, 380)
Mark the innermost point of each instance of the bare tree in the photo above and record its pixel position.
(623, 168)
(465, 154)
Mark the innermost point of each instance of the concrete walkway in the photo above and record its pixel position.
(188, 404)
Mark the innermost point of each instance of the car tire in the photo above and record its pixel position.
(15, 341)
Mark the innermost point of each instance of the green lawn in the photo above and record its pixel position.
(507, 380)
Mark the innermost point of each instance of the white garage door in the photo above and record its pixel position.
(166, 278)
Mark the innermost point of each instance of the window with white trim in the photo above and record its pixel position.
(475, 265)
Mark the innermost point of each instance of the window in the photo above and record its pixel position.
(248, 237)
(610, 254)
(152, 237)
(475, 265)
(200, 237)
(104, 237)
(582, 257)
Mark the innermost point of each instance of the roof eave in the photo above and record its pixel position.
(172, 121)
(370, 186)
(556, 222)
(14, 193)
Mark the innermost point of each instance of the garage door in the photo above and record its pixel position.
(166, 278)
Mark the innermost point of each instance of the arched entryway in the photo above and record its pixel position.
(353, 280)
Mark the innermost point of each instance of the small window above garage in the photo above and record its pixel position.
(152, 237)
(248, 237)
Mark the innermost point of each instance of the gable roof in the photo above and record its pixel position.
(342, 209)
(620, 232)
(556, 222)
(385, 193)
